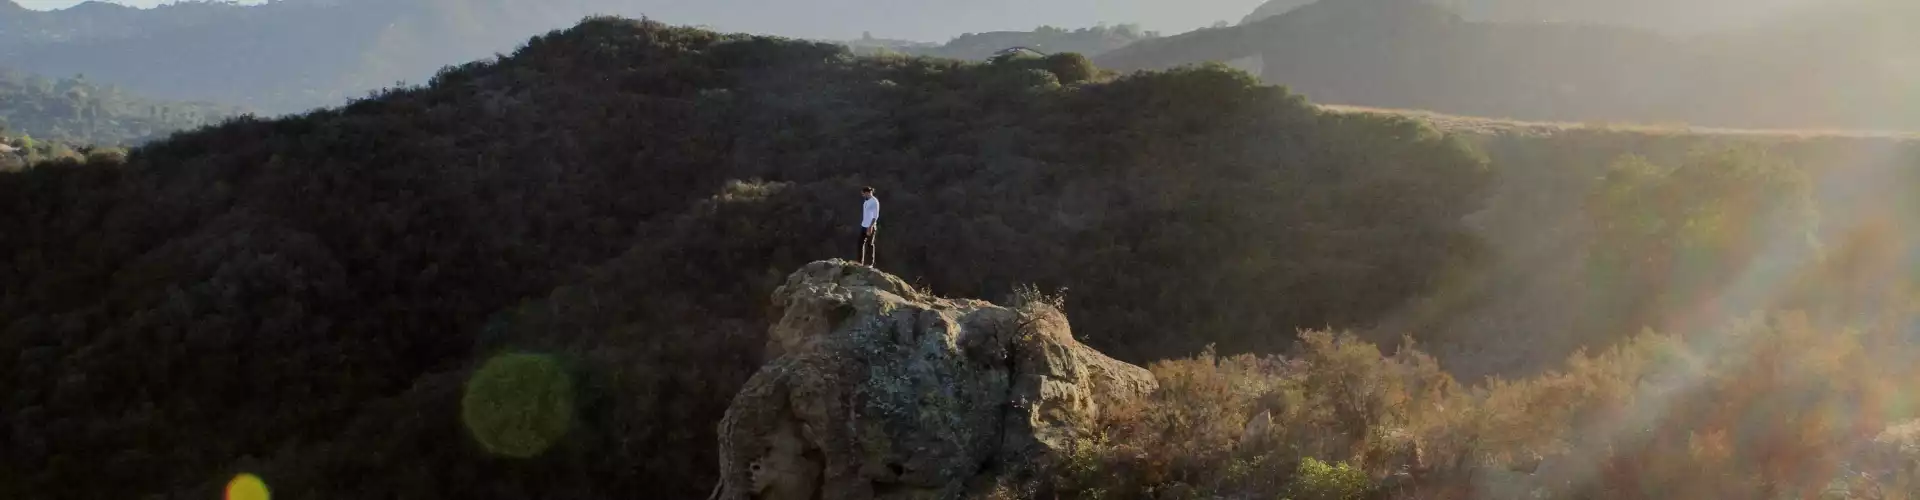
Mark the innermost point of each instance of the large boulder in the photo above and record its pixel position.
(879, 391)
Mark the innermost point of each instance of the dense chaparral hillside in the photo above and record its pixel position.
(624, 191)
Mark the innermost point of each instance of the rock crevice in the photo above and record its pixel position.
(875, 390)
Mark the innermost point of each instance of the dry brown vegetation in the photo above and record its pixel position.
(1773, 408)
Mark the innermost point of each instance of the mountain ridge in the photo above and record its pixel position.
(1406, 54)
(1090, 42)
(1690, 18)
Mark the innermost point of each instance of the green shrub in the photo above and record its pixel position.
(1071, 68)
(1317, 480)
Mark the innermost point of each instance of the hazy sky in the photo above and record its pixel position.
(927, 20)
(61, 4)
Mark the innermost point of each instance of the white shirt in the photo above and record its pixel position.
(870, 212)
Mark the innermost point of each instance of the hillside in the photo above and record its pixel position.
(1685, 17)
(981, 46)
(1538, 300)
(78, 111)
(321, 299)
(1833, 65)
(615, 194)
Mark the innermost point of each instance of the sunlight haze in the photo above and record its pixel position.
(921, 20)
(61, 4)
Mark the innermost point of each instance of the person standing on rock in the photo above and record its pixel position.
(869, 226)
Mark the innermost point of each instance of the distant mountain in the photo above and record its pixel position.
(1471, 58)
(867, 45)
(1840, 65)
(980, 46)
(1681, 17)
(295, 55)
(1274, 8)
(1670, 16)
(79, 111)
(281, 56)
(97, 21)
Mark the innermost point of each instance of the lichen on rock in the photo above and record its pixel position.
(876, 390)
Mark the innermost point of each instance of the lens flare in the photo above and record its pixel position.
(518, 405)
(246, 487)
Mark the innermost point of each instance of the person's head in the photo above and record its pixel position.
(866, 192)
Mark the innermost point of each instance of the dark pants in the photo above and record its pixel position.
(867, 253)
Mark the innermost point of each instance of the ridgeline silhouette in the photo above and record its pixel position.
(1843, 64)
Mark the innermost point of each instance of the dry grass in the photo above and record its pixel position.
(1763, 409)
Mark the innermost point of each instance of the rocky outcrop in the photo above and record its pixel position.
(879, 391)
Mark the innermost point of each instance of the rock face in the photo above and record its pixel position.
(879, 391)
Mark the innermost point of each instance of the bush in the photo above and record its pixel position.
(1757, 409)
(106, 156)
(1669, 238)
(1071, 68)
(1317, 480)
(1337, 401)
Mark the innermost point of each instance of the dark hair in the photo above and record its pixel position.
(866, 189)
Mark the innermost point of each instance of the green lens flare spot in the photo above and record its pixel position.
(246, 487)
(518, 405)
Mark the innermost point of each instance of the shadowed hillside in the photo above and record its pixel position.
(304, 298)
